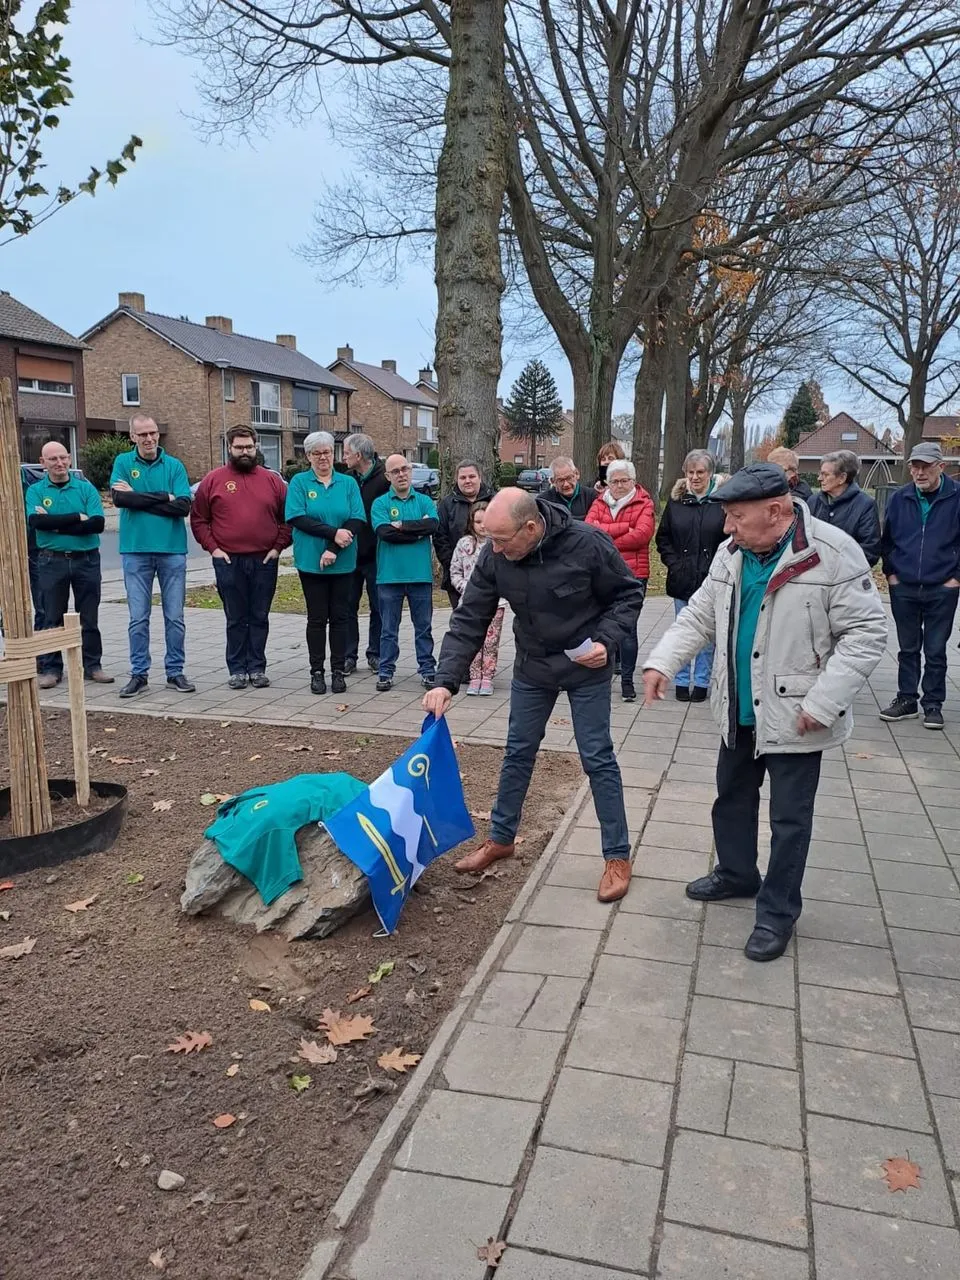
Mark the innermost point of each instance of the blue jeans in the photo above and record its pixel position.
(56, 575)
(139, 570)
(246, 586)
(702, 663)
(530, 708)
(924, 617)
(365, 575)
(419, 596)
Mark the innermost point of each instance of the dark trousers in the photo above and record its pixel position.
(328, 607)
(629, 647)
(57, 576)
(530, 709)
(246, 586)
(365, 575)
(419, 596)
(736, 812)
(924, 618)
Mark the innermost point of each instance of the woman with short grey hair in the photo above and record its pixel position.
(841, 502)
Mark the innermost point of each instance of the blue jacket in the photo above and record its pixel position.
(919, 552)
(855, 512)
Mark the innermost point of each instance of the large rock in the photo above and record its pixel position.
(331, 891)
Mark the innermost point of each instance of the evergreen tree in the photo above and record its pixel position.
(534, 410)
(800, 417)
(820, 406)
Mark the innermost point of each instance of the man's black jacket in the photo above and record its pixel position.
(578, 506)
(373, 485)
(452, 513)
(573, 587)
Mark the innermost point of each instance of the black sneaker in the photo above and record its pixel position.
(900, 709)
(337, 682)
(181, 684)
(349, 667)
(627, 691)
(429, 680)
(317, 682)
(699, 694)
(384, 685)
(259, 680)
(237, 682)
(135, 685)
(373, 664)
(714, 888)
(932, 718)
(683, 693)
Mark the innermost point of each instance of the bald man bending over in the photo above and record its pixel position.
(574, 600)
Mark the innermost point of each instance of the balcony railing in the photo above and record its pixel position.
(291, 420)
(426, 435)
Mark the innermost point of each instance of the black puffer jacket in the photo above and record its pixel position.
(578, 505)
(374, 485)
(452, 513)
(855, 512)
(690, 533)
(573, 587)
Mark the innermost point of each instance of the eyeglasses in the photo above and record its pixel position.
(505, 542)
(320, 453)
(619, 480)
(244, 448)
(400, 471)
(146, 435)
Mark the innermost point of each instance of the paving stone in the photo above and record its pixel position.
(934, 954)
(638, 1045)
(695, 775)
(839, 886)
(660, 898)
(640, 986)
(837, 922)
(837, 857)
(567, 953)
(574, 872)
(906, 849)
(736, 1029)
(574, 1204)
(937, 798)
(584, 842)
(507, 1062)
(864, 1086)
(410, 1238)
(846, 1168)
(606, 1115)
(587, 820)
(688, 1254)
(892, 823)
(946, 821)
(866, 1246)
(507, 998)
(946, 1112)
(765, 1105)
(838, 830)
(728, 973)
(463, 1135)
(736, 1186)
(569, 908)
(669, 864)
(698, 815)
(904, 877)
(919, 911)
(555, 1005)
(932, 1003)
(520, 1264)
(729, 924)
(675, 835)
(854, 1020)
(840, 964)
(705, 1085)
(828, 806)
(940, 1060)
(906, 803)
(654, 938)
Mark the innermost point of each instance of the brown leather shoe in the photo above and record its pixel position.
(48, 681)
(481, 858)
(99, 676)
(615, 880)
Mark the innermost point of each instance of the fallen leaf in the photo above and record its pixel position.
(397, 1060)
(492, 1251)
(126, 760)
(190, 1042)
(559, 720)
(158, 1260)
(171, 756)
(257, 757)
(260, 1006)
(4, 915)
(482, 814)
(233, 1069)
(161, 806)
(343, 706)
(864, 755)
(18, 949)
(221, 796)
(519, 839)
(110, 730)
(225, 724)
(81, 904)
(319, 1055)
(133, 877)
(417, 967)
(383, 970)
(901, 1174)
(224, 1121)
(341, 1030)
(299, 1083)
(208, 798)
(360, 992)
(7, 884)
(150, 773)
(299, 747)
(330, 755)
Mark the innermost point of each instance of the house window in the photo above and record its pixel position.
(540, 460)
(332, 402)
(518, 459)
(265, 403)
(270, 448)
(45, 385)
(407, 416)
(130, 388)
(555, 441)
(229, 387)
(848, 435)
(425, 418)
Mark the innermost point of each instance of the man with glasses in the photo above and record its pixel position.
(360, 455)
(567, 491)
(237, 515)
(151, 489)
(404, 522)
(574, 600)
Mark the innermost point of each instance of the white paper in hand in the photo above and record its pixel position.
(580, 651)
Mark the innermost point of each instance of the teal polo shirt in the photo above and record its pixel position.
(141, 531)
(76, 497)
(926, 500)
(334, 503)
(755, 576)
(401, 562)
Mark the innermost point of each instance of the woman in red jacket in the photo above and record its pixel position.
(625, 511)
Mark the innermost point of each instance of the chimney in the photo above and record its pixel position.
(135, 301)
(426, 375)
(287, 340)
(389, 365)
(223, 323)
(345, 353)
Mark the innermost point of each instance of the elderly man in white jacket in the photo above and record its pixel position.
(799, 627)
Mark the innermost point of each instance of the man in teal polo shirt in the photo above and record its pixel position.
(65, 515)
(151, 489)
(404, 522)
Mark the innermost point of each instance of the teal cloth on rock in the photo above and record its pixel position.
(256, 830)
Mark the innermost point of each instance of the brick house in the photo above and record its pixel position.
(520, 452)
(944, 430)
(843, 432)
(197, 380)
(399, 416)
(45, 366)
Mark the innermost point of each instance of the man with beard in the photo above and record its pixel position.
(237, 516)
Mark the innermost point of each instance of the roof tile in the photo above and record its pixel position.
(18, 321)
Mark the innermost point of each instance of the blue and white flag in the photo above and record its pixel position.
(406, 818)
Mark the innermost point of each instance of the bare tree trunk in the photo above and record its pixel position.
(738, 430)
(594, 381)
(648, 393)
(678, 425)
(471, 180)
(916, 411)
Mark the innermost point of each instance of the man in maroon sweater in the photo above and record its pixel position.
(237, 515)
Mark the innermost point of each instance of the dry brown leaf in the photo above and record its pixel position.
(81, 904)
(482, 814)
(360, 992)
(864, 755)
(150, 773)
(318, 1055)
(161, 806)
(126, 760)
(519, 839)
(330, 755)
(299, 747)
(18, 949)
(559, 720)
(191, 1042)
(260, 1006)
(901, 1174)
(256, 757)
(158, 1260)
(492, 1251)
(171, 756)
(343, 706)
(224, 1121)
(397, 1060)
(341, 1030)
(7, 884)
(233, 1069)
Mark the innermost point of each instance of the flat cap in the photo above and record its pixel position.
(752, 483)
(926, 451)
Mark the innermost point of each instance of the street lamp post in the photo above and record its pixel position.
(223, 366)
